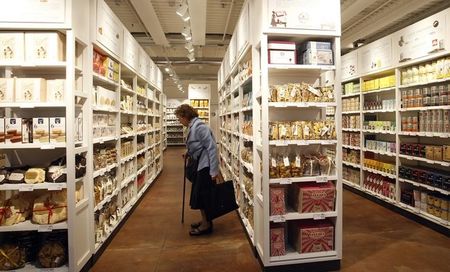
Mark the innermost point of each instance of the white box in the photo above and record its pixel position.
(55, 90)
(6, 90)
(57, 130)
(44, 47)
(11, 47)
(13, 129)
(106, 98)
(41, 130)
(318, 57)
(30, 90)
(282, 57)
(2, 130)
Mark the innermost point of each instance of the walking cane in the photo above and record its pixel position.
(184, 189)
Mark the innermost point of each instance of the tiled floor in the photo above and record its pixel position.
(153, 239)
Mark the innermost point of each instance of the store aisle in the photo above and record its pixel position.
(375, 238)
(153, 238)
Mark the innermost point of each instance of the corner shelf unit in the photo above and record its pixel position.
(411, 102)
(176, 133)
(245, 114)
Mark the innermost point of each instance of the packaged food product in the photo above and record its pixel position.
(277, 240)
(296, 166)
(273, 168)
(284, 131)
(273, 131)
(284, 167)
(277, 200)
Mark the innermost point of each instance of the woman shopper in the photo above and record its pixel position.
(201, 146)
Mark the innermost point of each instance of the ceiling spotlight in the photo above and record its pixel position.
(186, 31)
(189, 47)
(186, 17)
(182, 9)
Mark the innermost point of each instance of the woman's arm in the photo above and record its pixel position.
(204, 135)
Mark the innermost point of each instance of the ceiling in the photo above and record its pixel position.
(157, 27)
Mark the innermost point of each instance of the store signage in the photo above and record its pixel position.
(420, 39)
(349, 65)
(130, 50)
(23, 11)
(304, 14)
(375, 56)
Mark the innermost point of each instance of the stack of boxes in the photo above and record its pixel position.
(309, 53)
(106, 67)
(33, 130)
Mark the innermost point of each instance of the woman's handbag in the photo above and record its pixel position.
(222, 200)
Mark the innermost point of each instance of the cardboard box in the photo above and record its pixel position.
(110, 64)
(312, 236)
(282, 52)
(55, 90)
(106, 98)
(318, 57)
(30, 90)
(437, 153)
(2, 130)
(314, 45)
(445, 155)
(11, 47)
(41, 129)
(44, 47)
(13, 130)
(313, 197)
(277, 200)
(57, 130)
(27, 130)
(277, 241)
(7, 90)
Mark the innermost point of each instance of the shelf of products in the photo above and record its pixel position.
(293, 142)
(405, 139)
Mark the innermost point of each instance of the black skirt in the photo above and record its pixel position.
(201, 190)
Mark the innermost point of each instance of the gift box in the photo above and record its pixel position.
(277, 240)
(50, 208)
(312, 236)
(55, 90)
(44, 46)
(282, 52)
(57, 130)
(313, 197)
(277, 200)
(30, 90)
(6, 90)
(317, 57)
(11, 47)
(14, 210)
(13, 129)
(41, 130)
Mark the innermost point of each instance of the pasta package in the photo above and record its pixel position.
(284, 167)
(273, 131)
(284, 131)
(50, 208)
(273, 169)
(296, 166)
(273, 94)
(297, 130)
(282, 93)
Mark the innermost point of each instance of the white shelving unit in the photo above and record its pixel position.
(104, 33)
(407, 192)
(235, 116)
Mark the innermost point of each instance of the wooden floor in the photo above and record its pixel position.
(153, 239)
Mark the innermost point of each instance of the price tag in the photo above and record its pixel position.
(24, 106)
(55, 187)
(279, 219)
(45, 228)
(303, 104)
(286, 181)
(26, 188)
(321, 179)
(47, 146)
(319, 216)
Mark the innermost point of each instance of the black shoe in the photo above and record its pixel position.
(198, 232)
(198, 224)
